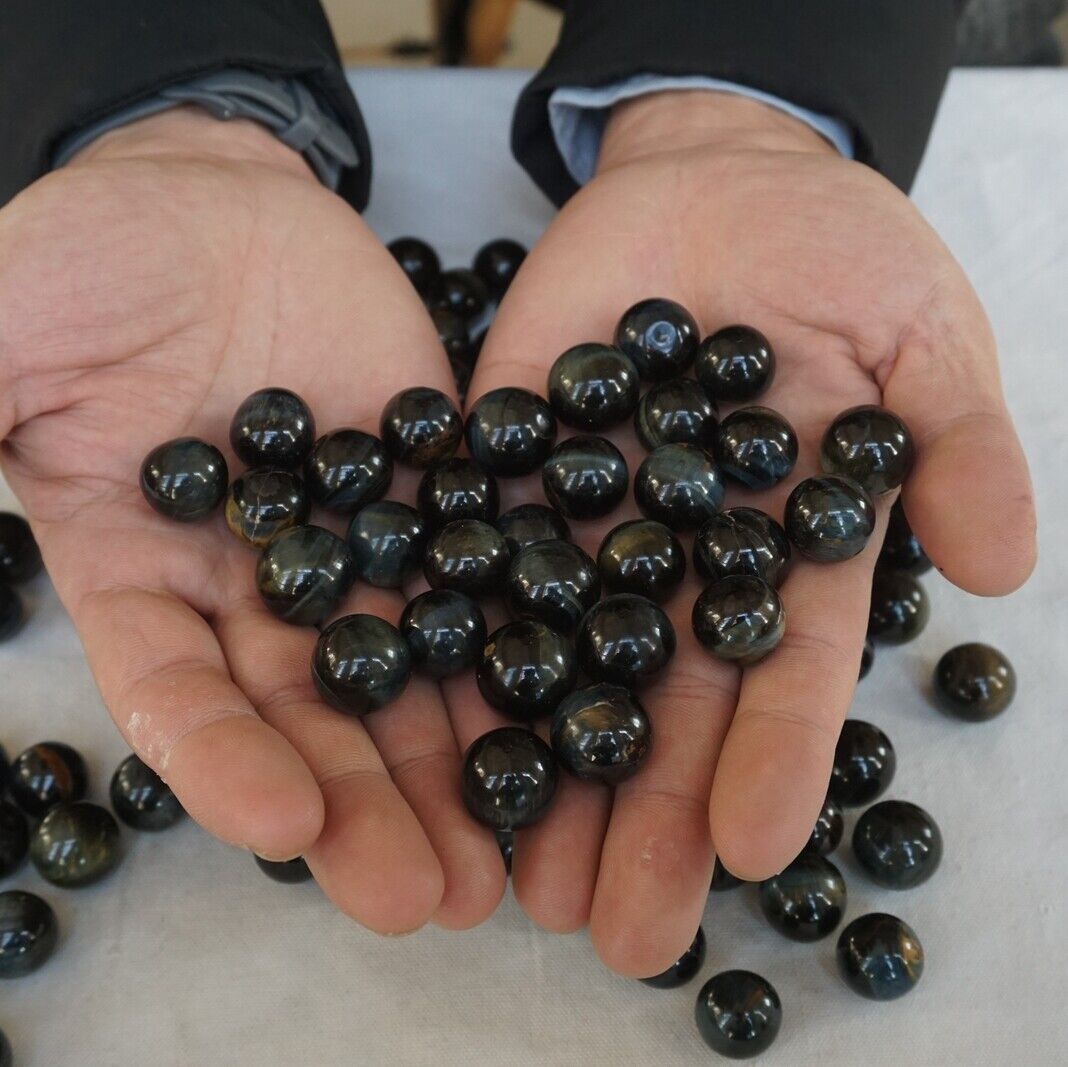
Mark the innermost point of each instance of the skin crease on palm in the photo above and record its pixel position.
(178, 265)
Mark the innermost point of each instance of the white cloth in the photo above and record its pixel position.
(189, 957)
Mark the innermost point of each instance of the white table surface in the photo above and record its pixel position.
(189, 956)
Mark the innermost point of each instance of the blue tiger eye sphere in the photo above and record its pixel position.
(974, 682)
(387, 540)
(880, 957)
(184, 479)
(497, 263)
(592, 387)
(898, 844)
(676, 412)
(360, 664)
(47, 774)
(418, 261)
(75, 845)
(756, 446)
(509, 778)
(288, 872)
(304, 574)
(601, 733)
(864, 764)
(468, 556)
(141, 798)
(526, 669)
(511, 431)
(459, 488)
(736, 364)
(348, 469)
(625, 640)
(262, 503)
(807, 900)
(899, 608)
(680, 486)
(459, 290)
(867, 658)
(742, 541)
(871, 445)
(740, 619)
(829, 519)
(12, 612)
(901, 549)
(28, 933)
(828, 829)
(585, 477)
(420, 427)
(526, 524)
(644, 557)
(14, 838)
(554, 582)
(684, 968)
(272, 428)
(20, 558)
(738, 1014)
(659, 337)
(445, 632)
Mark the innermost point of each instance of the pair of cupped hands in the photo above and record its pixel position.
(178, 264)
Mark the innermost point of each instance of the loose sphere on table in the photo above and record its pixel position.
(526, 669)
(184, 479)
(554, 582)
(509, 778)
(14, 838)
(421, 427)
(870, 445)
(12, 612)
(141, 798)
(676, 412)
(592, 387)
(680, 486)
(735, 364)
(829, 519)
(418, 261)
(756, 446)
(901, 549)
(45, 775)
(644, 557)
(625, 640)
(864, 764)
(28, 933)
(304, 574)
(740, 619)
(585, 477)
(659, 337)
(20, 558)
(807, 900)
(511, 431)
(738, 1014)
(684, 968)
(288, 872)
(601, 733)
(459, 290)
(974, 682)
(722, 879)
(445, 632)
(526, 524)
(497, 263)
(742, 541)
(75, 845)
(867, 658)
(880, 957)
(360, 664)
(899, 607)
(898, 844)
(827, 832)
(468, 556)
(272, 428)
(459, 488)
(387, 540)
(348, 469)
(262, 503)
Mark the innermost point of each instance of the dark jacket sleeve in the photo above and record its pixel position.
(878, 65)
(64, 65)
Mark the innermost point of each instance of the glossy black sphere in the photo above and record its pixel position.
(807, 900)
(360, 664)
(901, 549)
(899, 607)
(592, 387)
(526, 669)
(468, 556)
(304, 574)
(509, 778)
(272, 428)
(680, 486)
(288, 872)
(864, 764)
(387, 540)
(20, 558)
(625, 640)
(12, 612)
(827, 832)
(418, 261)
(421, 427)
(684, 968)
(141, 798)
(506, 843)
(829, 519)
(722, 879)
(458, 489)
(554, 582)
(497, 263)
(14, 838)
(184, 479)
(459, 290)
(445, 632)
(735, 364)
(511, 431)
(659, 337)
(348, 469)
(75, 845)
(740, 619)
(742, 541)
(262, 503)
(870, 445)
(45, 775)
(28, 933)
(880, 957)
(756, 446)
(867, 658)
(676, 412)
(601, 733)
(738, 1014)
(585, 477)
(455, 338)
(898, 844)
(974, 682)
(527, 524)
(643, 557)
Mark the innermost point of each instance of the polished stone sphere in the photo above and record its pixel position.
(644, 557)
(360, 664)
(684, 968)
(867, 658)
(304, 574)
(722, 879)
(288, 872)
(899, 607)
(497, 263)
(272, 428)
(592, 387)
(526, 669)
(14, 838)
(827, 832)
(387, 540)
(468, 556)
(807, 900)
(829, 519)
(625, 640)
(680, 486)
(12, 612)
(659, 337)
(974, 682)
(455, 338)
(601, 733)
(141, 798)
(676, 412)
(460, 290)
(45, 775)
(348, 469)
(738, 1014)
(742, 541)
(184, 479)
(20, 558)
(736, 364)
(756, 446)
(585, 477)
(511, 431)
(506, 843)
(418, 261)
(75, 845)
(740, 619)
(459, 488)
(509, 778)
(262, 503)
(421, 427)
(898, 844)
(553, 582)
(864, 764)
(526, 524)
(870, 445)
(880, 957)
(901, 549)
(445, 631)
(28, 933)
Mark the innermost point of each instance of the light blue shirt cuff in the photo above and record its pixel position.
(578, 116)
